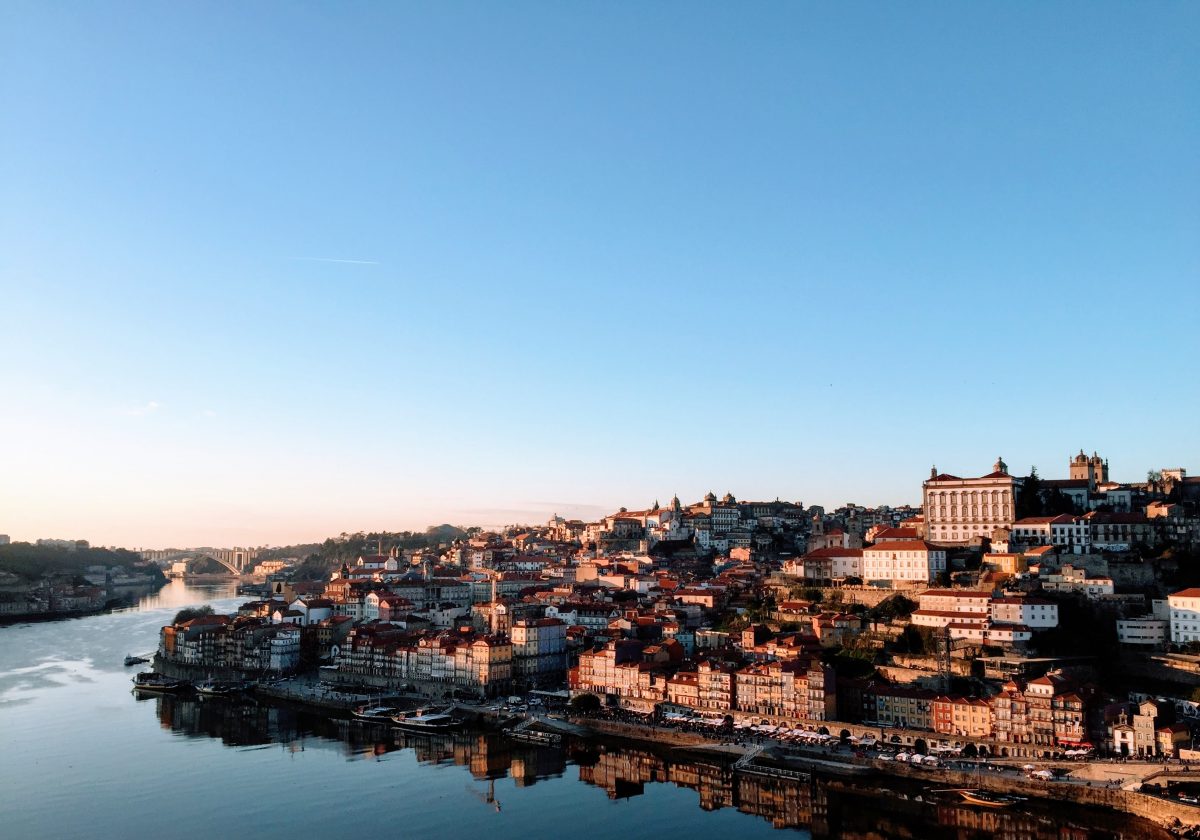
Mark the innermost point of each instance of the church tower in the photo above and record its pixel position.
(1081, 468)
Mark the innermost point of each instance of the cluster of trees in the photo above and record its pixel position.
(1036, 499)
(31, 562)
(346, 548)
(188, 613)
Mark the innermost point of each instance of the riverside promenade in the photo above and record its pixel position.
(1100, 784)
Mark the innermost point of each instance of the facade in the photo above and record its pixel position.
(1143, 630)
(959, 510)
(1185, 616)
(539, 650)
(1062, 531)
(909, 562)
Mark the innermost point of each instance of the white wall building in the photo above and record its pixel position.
(1185, 616)
(1062, 531)
(904, 562)
(958, 510)
(1035, 613)
(1142, 630)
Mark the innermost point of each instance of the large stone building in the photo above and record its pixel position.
(959, 510)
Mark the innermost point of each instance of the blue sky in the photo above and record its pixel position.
(274, 271)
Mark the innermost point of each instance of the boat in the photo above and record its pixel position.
(987, 800)
(426, 721)
(212, 688)
(130, 659)
(151, 681)
(381, 714)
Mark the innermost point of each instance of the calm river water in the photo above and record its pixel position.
(82, 757)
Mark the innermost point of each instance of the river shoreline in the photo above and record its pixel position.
(1176, 817)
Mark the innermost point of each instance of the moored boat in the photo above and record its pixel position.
(212, 688)
(130, 659)
(381, 714)
(426, 722)
(987, 800)
(151, 681)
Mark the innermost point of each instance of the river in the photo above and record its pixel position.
(82, 757)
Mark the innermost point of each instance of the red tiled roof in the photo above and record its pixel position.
(903, 545)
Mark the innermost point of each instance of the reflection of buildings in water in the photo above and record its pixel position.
(783, 803)
(828, 809)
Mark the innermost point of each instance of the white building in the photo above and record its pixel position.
(908, 561)
(1035, 613)
(1185, 616)
(945, 607)
(1142, 630)
(958, 510)
(1062, 531)
(1071, 579)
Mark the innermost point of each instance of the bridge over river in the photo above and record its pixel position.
(236, 561)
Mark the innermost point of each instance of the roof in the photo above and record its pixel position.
(903, 545)
(897, 534)
(834, 551)
(1061, 519)
(1186, 593)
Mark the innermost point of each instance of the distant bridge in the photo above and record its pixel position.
(236, 560)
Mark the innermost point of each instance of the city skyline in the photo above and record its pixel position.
(279, 273)
(539, 512)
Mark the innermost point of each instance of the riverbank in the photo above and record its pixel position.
(123, 601)
(1175, 816)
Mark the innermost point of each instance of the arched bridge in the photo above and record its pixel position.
(235, 561)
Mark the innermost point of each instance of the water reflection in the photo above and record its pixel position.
(826, 808)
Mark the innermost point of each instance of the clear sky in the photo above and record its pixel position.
(273, 271)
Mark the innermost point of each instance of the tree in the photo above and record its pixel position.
(914, 639)
(188, 613)
(585, 704)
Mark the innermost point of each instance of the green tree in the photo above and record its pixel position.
(585, 703)
(188, 613)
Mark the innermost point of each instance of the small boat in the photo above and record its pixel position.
(987, 800)
(380, 714)
(130, 659)
(151, 681)
(426, 722)
(212, 688)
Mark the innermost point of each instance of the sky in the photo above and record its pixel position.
(274, 271)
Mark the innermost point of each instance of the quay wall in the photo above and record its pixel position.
(1164, 812)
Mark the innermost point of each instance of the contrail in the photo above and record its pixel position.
(335, 260)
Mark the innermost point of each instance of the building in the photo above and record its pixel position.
(1143, 630)
(908, 562)
(539, 649)
(959, 510)
(1185, 616)
(1072, 579)
(1063, 531)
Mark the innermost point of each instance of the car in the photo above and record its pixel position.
(1190, 800)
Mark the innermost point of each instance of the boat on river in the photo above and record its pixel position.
(214, 688)
(987, 800)
(151, 681)
(426, 721)
(130, 659)
(378, 714)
